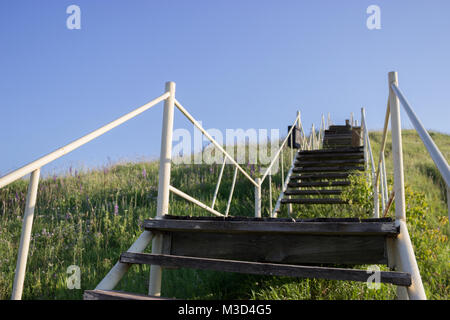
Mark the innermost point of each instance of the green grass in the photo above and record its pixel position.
(89, 218)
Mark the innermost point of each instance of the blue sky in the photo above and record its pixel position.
(237, 64)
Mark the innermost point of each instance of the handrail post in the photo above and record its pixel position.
(363, 132)
(270, 191)
(397, 150)
(448, 201)
(24, 246)
(258, 198)
(163, 183)
(403, 250)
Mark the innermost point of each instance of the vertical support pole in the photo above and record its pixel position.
(270, 191)
(258, 198)
(363, 132)
(292, 144)
(24, 246)
(163, 184)
(282, 169)
(404, 250)
(397, 150)
(448, 201)
(383, 187)
(383, 176)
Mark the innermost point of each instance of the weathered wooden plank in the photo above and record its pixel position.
(269, 219)
(281, 247)
(328, 169)
(329, 163)
(314, 201)
(316, 192)
(318, 184)
(397, 278)
(337, 150)
(329, 228)
(117, 295)
(332, 155)
(319, 176)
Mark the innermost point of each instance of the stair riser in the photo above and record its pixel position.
(279, 248)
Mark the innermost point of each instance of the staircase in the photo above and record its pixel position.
(320, 175)
(301, 248)
(305, 248)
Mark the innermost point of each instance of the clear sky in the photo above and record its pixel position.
(237, 64)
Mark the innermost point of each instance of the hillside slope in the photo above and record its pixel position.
(88, 218)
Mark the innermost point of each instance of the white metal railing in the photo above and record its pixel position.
(368, 152)
(400, 250)
(164, 187)
(34, 168)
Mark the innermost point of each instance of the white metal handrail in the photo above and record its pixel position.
(400, 249)
(34, 168)
(213, 141)
(433, 150)
(368, 147)
(30, 167)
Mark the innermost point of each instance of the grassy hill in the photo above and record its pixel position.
(88, 218)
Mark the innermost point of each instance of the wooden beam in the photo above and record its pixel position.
(314, 201)
(224, 226)
(397, 278)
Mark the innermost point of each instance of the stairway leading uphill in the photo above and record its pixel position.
(320, 175)
(321, 248)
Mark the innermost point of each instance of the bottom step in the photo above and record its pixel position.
(274, 269)
(117, 295)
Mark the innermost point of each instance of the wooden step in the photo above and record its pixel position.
(319, 176)
(332, 155)
(318, 184)
(300, 226)
(249, 267)
(327, 162)
(338, 128)
(117, 295)
(346, 136)
(328, 169)
(337, 150)
(313, 201)
(274, 240)
(317, 192)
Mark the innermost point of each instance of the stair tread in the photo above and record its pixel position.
(333, 155)
(328, 169)
(311, 176)
(312, 192)
(314, 201)
(398, 278)
(117, 295)
(325, 162)
(341, 226)
(337, 150)
(318, 184)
